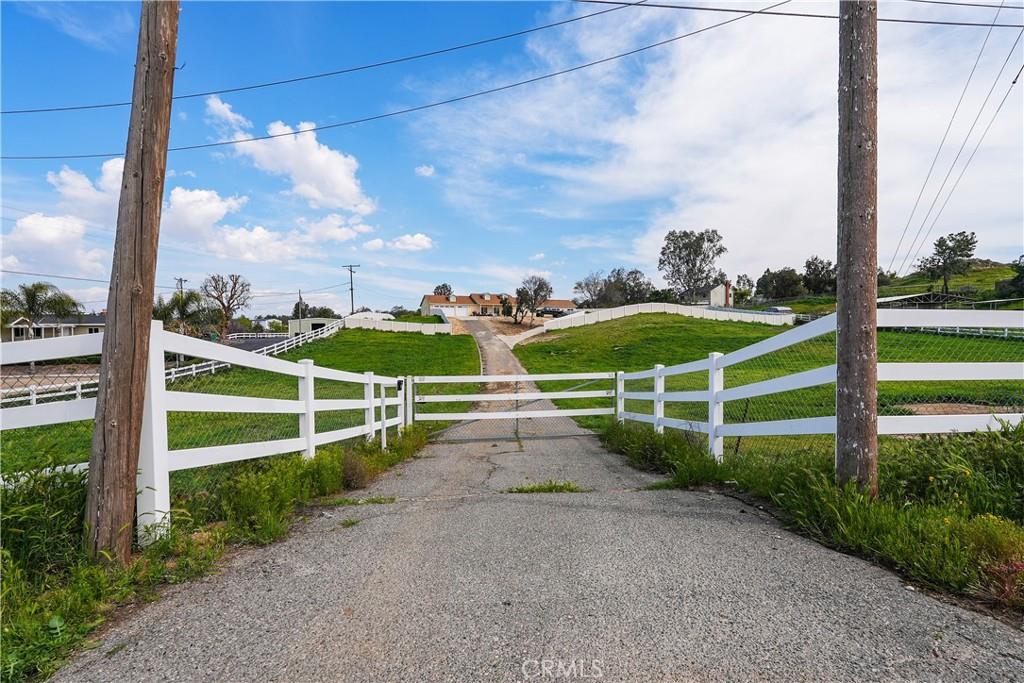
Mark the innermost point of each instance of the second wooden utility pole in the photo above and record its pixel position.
(114, 460)
(857, 271)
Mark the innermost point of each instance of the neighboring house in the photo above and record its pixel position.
(49, 326)
(721, 296)
(297, 327)
(484, 303)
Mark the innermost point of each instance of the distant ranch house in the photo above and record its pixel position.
(466, 305)
(49, 326)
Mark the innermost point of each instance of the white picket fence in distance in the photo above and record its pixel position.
(397, 326)
(156, 460)
(717, 394)
(592, 316)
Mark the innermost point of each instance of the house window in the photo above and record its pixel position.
(19, 332)
(94, 330)
(37, 332)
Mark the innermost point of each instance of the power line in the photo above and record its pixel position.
(68, 277)
(967, 137)
(410, 110)
(942, 143)
(965, 4)
(963, 170)
(808, 15)
(335, 72)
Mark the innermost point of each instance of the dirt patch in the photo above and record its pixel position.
(23, 375)
(541, 338)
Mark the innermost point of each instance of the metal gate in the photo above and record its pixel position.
(495, 407)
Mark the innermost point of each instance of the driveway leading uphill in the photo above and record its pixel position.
(458, 581)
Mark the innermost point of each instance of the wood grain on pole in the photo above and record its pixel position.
(119, 402)
(857, 284)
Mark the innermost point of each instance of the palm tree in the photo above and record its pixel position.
(182, 313)
(33, 301)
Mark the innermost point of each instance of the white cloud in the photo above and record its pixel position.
(417, 242)
(104, 27)
(56, 242)
(256, 245)
(332, 228)
(191, 215)
(537, 257)
(93, 201)
(220, 113)
(661, 137)
(374, 244)
(589, 242)
(425, 171)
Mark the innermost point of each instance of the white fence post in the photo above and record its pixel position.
(659, 403)
(383, 416)
(620, 400)
(153, 503)
(716, 409)
(78, 390)
(401, 391)
(368, 397)
(411, 400)
(32, 395)
(307, 420)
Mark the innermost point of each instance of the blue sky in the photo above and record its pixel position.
(733, 129)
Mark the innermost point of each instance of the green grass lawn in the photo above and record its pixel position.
(638, 342)
(384, 353)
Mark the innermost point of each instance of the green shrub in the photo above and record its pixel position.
(52, 595)
(41, 515)
(982, 472)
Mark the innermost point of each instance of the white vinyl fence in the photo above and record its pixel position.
(55, 388)
(716, 394)
(592, 316)
(156, 460)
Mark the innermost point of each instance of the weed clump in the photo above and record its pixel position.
(54, 595)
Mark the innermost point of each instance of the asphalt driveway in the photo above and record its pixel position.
(459, 581)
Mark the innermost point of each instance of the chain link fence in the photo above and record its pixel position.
(40, 383)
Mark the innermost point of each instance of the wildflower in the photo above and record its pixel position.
(931, 478)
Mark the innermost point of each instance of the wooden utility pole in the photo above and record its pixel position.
(114, 459)
(351, 268)
(857, 272)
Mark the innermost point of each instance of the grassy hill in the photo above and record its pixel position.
(981, 278)
(384, 353)
(638, 342)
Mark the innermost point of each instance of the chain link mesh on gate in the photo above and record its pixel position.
(481, 428)
(39, 383)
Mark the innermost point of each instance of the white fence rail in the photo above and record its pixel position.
(528, 395)
(717, 394)
(55, 391)
(157, 460)
(600, 315)
(257, 335)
